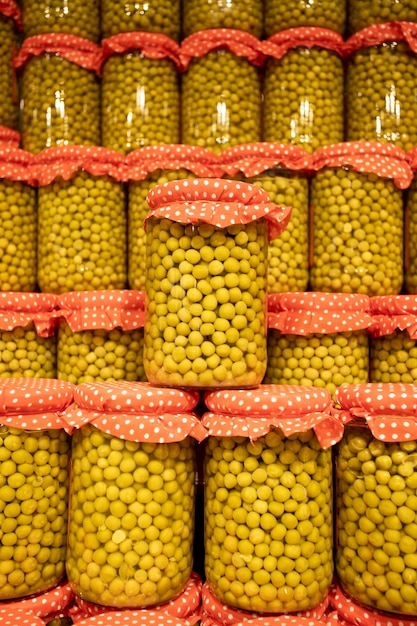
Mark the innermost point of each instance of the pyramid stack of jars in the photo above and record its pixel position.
(208, 301)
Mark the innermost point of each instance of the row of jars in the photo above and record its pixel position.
(219, 88)
(72, 218)
(121, 525)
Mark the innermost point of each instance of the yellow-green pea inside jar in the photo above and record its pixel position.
(357, 239)
(9, 112)
(303, 98)
(82, 234)
(282, 14)
(393, 358)
(410, 277)
(376, 505)
(246, 15)
(157, 16)
(60, 16)
(364, 13)
(268, 521)
(131, 519)
(33, 510)
(24, 353)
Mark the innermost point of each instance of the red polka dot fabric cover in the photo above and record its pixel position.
(73, 48)
(239, 42)
(186, 605)
(10, 8)
(411, 157)
(133, 618)
(303, 36)
(16, 164)
(150, 45)
(215, 613)
(252, 413)
(108, 309)
(315, 312)
(18, 617)
(35, 403)
(377, 34)
(389, 409)
(367, 157)
(390, 313)
(64, 161)
(21, 308)
(216, 201)
(136, 411)
(351, 613)
(9, 138)
(45, 604)
(282, 620)
(252, 159)
(200, 161)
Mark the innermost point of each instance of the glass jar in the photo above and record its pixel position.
(303, 88)
(74, 17)
(35, 453)
(81, 220)
(60, 91)
(268, 497)
(10, 25)
(146, 168)
(100, 336)
(363, 13)
(356, 198)
(317, 339)
(221, 90)
(246, 15)
(376, 499)
(281, 170)
(131, 517)
(155, 16)
(206, 282)
(381, 85)
(27, 335)
(18, 221)
(282, 14)
(410, 238)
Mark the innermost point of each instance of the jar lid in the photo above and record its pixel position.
(377, 34)
(150, 45)
(390, 409)
(9, 138)
(367, 157)
(73, 48)
(136, 411)
(132, 617)
(390, 313)
(16, 164)
(198, 160)
(11, 9)
(240, 42)
(43, 604)
(12, 617)
(64, 161)
(252, 159)
(216, 201)
(411, 157)
(280, 43)
(253, 412)
(281, 620)
(107, 309)
(303, 313)
(22, 308)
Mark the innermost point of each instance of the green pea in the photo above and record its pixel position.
(289, 14)
(57, 16)
(246, 15)
(9, 112)
(162, 16)
(25, 354)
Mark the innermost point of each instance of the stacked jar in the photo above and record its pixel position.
(245, 15)
(410, 241)
(280, 15)
(10, 27)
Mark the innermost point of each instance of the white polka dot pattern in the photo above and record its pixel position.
(151, 46)
(252, 413)
(379, 33)
(281, 620)
(11, 9)
(43, 604)
(73, 48)
(252, 159)
(393, 312)
(20, 309)
(9, 138)
(16, 165)
(217, 201)
(383, 159)
(304, 36)
(316, 312)
(390, 409)
(19, 617)
(132, 618)
(411, 157)
(239, 42)
(108, 309)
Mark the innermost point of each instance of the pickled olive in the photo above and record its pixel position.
(130, 121)
(137, 211)
(18, 223)
(320, 360)
(131, 519)
(303, 98)
(23, 353)
(381, 88)
(75, 17)
(376, 506)
(246, 15)
(358, 233)
(99, 355)
(363, 13)
(33, 510)
(221, 101)
(60, 104)
(9, 111)
(82, 234)
(268, 533)
(155, 16)
(206, 300)
(282, 14)
(393, 358)
(410, 278)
